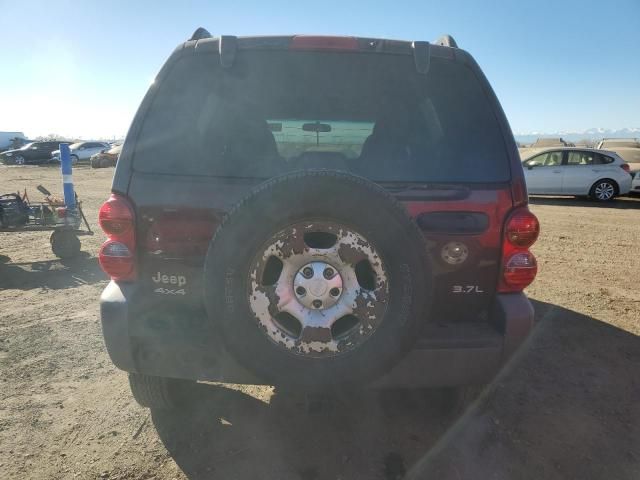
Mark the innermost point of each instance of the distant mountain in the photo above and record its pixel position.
(590, 134)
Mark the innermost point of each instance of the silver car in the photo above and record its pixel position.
(82, 151)
(599, 174)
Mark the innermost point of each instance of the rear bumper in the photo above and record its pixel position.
(625, 185)
(181, 345)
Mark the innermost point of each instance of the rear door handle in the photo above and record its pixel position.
(557, 171)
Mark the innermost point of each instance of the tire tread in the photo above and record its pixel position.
(151, 392)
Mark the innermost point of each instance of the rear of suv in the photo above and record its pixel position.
(315, 212)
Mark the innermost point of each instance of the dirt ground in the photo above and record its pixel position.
(568, 405)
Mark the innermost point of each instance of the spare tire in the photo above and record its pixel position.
(318, 278)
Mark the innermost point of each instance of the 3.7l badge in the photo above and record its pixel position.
(466, 289)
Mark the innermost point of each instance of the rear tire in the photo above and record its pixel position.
(157, 393)
(604, 190)
(74, 159)
(65, 244)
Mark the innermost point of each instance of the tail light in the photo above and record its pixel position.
(117, 254)
(519, 266)
(626, 167)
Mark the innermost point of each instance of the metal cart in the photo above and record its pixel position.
(18, 214)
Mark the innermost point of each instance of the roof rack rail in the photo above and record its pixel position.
(200, 33)
(446, 41)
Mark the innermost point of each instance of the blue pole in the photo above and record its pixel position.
(67, 177)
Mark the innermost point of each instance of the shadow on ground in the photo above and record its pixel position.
(625, 203)
(550, 414)
(50, 274)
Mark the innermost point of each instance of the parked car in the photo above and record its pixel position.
(599, 174)
(627, 148)
(635, 183)
(397, 262)
(108, 158)
(31, 153)
(82, 151)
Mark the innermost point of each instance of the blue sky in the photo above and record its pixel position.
(80, 68)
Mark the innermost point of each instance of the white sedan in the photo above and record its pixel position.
(600, 174)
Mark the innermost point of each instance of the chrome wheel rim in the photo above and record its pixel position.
(604, 191)
(318, 289)
(19, 160)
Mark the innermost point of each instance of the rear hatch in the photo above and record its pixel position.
(433, 135)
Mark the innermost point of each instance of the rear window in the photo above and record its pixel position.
(278, 111)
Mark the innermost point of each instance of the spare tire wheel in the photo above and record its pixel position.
(318, 278)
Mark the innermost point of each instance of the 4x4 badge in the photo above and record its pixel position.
(168, 291)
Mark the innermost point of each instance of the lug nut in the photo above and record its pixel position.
(307, 272)
(328, 273)
(316, 304)
(334, 292)
(300, 291)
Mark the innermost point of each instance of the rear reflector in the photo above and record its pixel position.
(626, 167)
(310, 42)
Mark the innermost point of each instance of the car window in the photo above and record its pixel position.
(603, 159)
(547, 159)
(587, 158)
(536, 161)
(582, 158)
(275, 111)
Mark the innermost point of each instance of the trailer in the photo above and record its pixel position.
(64, 217)
(19, 214)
